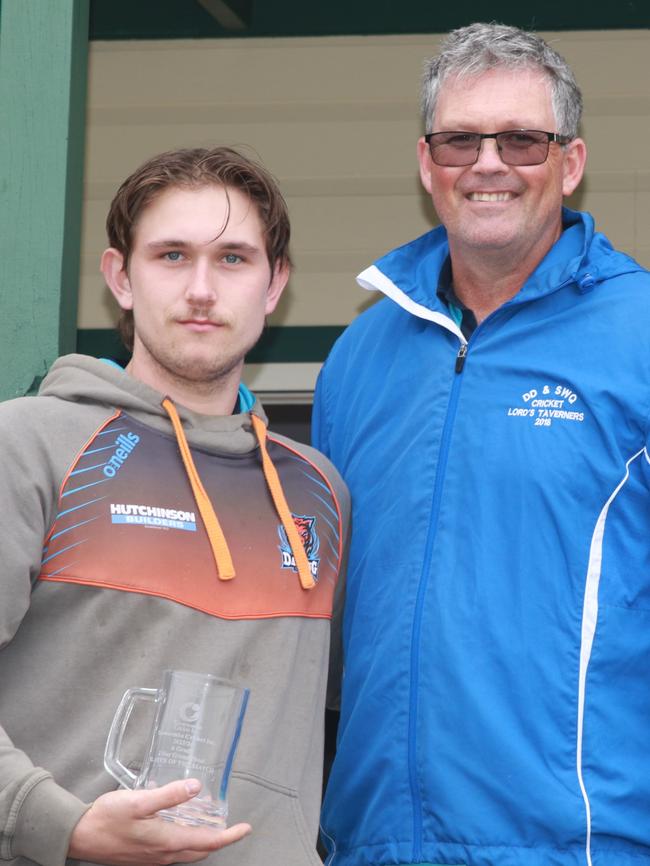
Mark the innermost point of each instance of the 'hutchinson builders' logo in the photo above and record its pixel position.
(153, 516)
(306, 527)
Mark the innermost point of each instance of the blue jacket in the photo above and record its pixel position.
(496, 695)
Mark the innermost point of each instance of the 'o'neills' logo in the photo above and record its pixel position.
(125, 445)
(306, 527)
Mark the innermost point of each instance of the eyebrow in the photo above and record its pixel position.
(176, 243)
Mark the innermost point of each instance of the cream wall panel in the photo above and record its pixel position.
(618, 143)
(607, 62)
(282, 382)
(642, 214)
(336, 120)
(619, 208)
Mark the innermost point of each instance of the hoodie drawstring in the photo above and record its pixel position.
(218, 543)
(275, 488)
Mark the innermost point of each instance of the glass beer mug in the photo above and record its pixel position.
(194, 735)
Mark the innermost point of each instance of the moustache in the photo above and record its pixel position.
(201, 317)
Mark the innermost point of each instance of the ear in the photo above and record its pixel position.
(279, 280)
(575, 157)
(425, 161)
(117, 279)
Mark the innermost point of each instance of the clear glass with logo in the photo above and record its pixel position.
(194, 735)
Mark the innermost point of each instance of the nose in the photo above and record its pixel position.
(201, 288)
(489, 159)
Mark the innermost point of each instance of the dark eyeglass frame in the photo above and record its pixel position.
(431, 138)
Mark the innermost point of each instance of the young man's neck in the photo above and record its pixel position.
(217, 397)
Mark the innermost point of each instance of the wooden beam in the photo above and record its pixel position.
(43, 63)
(229, 14)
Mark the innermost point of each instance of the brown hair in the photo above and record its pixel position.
(195, 168)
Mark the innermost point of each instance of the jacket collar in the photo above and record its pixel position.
(409, 274)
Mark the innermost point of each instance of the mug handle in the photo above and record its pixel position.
(112, 762)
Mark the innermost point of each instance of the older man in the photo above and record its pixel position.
(490, 417)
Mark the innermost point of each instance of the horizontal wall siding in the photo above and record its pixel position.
(336, 120)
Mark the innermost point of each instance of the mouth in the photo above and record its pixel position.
(200, 325)
(491, 196)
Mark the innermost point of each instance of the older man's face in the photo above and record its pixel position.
(491, 206)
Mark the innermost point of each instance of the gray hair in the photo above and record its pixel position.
(477, 48)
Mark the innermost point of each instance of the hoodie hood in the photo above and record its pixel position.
(79, 378)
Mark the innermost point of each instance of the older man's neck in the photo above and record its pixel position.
(487, 279)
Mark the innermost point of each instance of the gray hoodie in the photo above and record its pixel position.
(103, 589)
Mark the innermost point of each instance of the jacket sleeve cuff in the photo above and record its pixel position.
(45, 822)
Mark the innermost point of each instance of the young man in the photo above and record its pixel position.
(151, 522)
(495, 707)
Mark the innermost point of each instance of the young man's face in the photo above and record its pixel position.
(199, 284)
(491, 206)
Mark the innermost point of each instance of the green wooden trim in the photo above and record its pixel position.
(285, 345)
(74, 186)
(43, 58)
(187, 19)
(101, 343)
(298, 343)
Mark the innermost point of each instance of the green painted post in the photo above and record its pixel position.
(43, 69)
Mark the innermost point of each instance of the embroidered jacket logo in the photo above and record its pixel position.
(306, 527)
(547, 403)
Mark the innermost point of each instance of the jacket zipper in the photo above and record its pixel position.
(459, 366)
(419, 601)
(460, 358)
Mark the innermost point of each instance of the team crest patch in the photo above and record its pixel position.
(306, 527)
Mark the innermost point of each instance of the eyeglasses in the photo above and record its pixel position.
(515, 146)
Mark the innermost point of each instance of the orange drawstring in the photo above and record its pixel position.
(273, 482)
(222, 558)
(220, 551)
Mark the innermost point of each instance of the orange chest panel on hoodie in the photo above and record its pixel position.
(127, 520)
